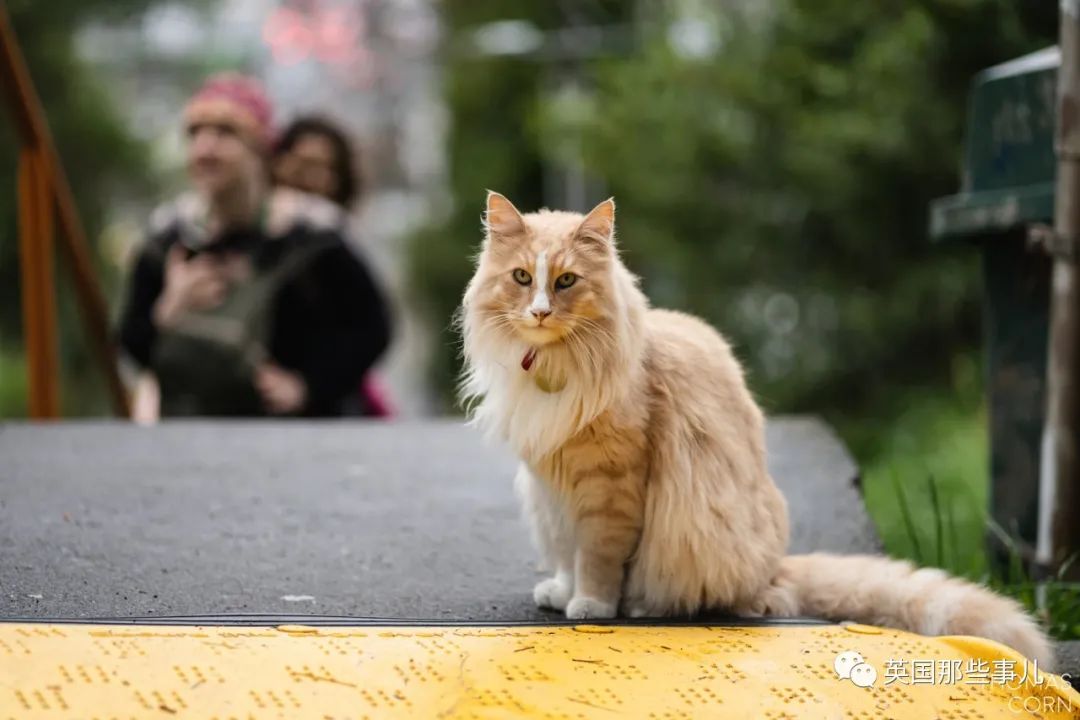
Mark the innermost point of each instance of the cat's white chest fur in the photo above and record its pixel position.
(535, 410)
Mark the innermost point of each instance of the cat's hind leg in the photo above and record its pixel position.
(553, 536)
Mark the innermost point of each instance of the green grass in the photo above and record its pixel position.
(926, 488)
(925, 475)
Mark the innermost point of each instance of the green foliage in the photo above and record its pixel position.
(1059, 608)
(924, 477)
(12, 384)
(102, 161)
(925, 488)
(1054, 601)
(779, 188)
(493, 145)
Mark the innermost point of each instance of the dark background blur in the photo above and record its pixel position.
(772, 162)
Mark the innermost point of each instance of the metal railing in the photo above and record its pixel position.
(44, 195)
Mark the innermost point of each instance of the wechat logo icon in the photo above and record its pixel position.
(852, 666)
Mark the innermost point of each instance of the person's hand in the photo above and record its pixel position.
(283, 391)
(196, 284)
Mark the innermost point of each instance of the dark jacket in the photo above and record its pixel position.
(329, 322)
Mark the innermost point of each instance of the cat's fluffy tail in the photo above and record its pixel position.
(878, 590)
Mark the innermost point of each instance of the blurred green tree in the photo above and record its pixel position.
(494, 143)
(101, 159)
(773, 178)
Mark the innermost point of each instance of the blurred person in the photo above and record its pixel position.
(247, 301)
(315, 155)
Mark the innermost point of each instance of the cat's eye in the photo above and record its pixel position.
(522, 276)
(565, 280)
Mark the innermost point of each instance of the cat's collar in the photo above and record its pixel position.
(543, 383)
(528, 359)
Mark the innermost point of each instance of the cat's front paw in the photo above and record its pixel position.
(587, 608)
(551, 593)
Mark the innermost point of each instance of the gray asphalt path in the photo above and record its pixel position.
(414, 520)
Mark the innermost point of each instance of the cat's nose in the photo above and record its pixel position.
(540, 314)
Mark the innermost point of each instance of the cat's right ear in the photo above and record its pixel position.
(502, 219)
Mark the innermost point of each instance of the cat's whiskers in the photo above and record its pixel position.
(583, 352)
(589, 341)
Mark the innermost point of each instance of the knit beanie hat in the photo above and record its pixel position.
(242, 99)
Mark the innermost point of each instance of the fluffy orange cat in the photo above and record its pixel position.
(643, 453)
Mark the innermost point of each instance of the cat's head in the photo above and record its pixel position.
(543, 276)
(552, 324)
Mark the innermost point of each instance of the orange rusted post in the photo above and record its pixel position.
(22, 100)
(38, 287)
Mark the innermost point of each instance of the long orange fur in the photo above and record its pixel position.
(642, 451)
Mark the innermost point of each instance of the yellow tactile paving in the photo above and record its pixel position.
(114, 672)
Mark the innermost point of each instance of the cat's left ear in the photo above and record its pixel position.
(599, 225)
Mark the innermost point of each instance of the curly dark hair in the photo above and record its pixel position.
(350, 183)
